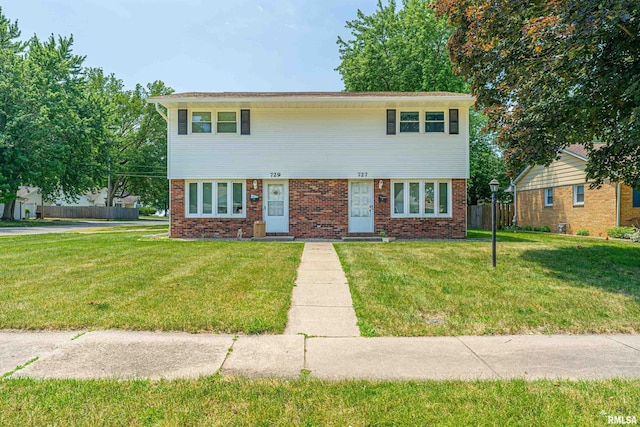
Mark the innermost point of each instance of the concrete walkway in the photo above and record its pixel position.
(119, 354)
(321, 302)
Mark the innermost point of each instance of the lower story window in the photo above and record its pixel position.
(636, 198)
(421, 198)
(216, 199)
(578, 194)
(548, 196)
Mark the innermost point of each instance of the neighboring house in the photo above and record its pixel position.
(27, 201)
(89, 198)
(318, 164)
(560, 194)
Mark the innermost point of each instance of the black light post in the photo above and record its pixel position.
(494, 185)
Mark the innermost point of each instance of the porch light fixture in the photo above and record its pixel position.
(380, 184)
(494, 185)
(255, 184)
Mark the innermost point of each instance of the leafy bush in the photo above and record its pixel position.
(545, 229)
(620, 232)
(147, 211)
(527, 228)
(512, 228)
(582, 232)
(635, 236)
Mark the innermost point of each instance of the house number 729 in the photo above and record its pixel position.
(274, 174)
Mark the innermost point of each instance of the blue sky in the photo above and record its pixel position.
(198, 45)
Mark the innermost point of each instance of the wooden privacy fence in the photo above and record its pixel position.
(90, 212)
(479, 216)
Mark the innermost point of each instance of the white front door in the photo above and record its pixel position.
(360, 206)
(276, 206)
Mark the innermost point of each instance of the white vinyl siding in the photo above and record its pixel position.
(318, 143)
(421, 198)
(209, 199)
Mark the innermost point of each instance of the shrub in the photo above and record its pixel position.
(527, 228)
(582, 232)
(620, 232)
(635, 236)
(545, 229)
(147, 211)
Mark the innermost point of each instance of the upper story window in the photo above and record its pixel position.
(216, 199)
(578, 194)
(227, 122)
(201, 122)
(409, 121)
(421, 198)
(434, 121)
(548, 196)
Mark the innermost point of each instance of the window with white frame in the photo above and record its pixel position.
(409, 121)
(578, 194)
(421, 198)
(216, 199)
(200, 122)
(548, 196)
(227, 122)
(434, 121)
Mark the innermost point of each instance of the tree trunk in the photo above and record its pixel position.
(9, 207)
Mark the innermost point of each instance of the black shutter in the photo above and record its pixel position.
(182, 122)
(245, 122)
(453, 121)
(391, 122)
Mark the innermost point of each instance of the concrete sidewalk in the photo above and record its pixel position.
(119, 354)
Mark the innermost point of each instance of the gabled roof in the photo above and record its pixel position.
(576, 150)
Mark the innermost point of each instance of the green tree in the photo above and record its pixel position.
(13, 97)
(485, 162)
(400, 51)
(134, 159)
(554, 73)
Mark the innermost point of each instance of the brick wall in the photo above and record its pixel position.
(596, 215)
(627, 211)
(320, 209)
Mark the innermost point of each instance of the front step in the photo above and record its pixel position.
(362, 239)
(274, 239)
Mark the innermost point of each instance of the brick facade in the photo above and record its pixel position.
(596, 215)
(318, 208)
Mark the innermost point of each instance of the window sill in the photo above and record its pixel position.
(191, 216)
(578, 205)
(444, 216)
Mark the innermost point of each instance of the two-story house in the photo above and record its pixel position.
(318, 164)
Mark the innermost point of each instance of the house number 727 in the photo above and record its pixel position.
(362, 174)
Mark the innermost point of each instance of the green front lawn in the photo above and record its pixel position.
(542, 284)
(234, 402)
(122, 279)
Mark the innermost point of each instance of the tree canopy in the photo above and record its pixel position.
(553, 73)
(63, 126)
(398, 50)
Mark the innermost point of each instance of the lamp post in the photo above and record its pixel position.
(494, 185)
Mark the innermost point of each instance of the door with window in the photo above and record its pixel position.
(276, 206)
(360, 206)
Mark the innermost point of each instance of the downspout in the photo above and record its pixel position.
(514, 221)
(618, 206)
